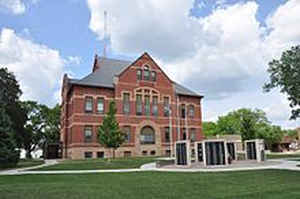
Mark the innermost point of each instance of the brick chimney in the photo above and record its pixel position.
(96, 63)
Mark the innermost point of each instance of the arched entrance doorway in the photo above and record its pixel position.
(148, 139)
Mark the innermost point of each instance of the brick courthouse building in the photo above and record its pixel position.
(152, 110)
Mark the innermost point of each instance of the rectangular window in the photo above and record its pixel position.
(153, 76)
(100, 154)
(127, 153)
(147, 105)
(127, 134)
(139, 74)
(193, 135)
(146, 74)
(100, 105)
(88, 154)
(167, 134)
(184, 134)
(166, 107)
(155, 106)
(88, 133)
(191, 111)
(168, 153)
(138, 104)
(88, 104)
(126, 103)
(182, 111)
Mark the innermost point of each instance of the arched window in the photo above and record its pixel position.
(147, 135)
(146, 73)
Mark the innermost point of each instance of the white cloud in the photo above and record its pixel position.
(159, 27)
(13, 6)
(72, 60)
(38, 68)
(224, 55)
(283, 24)
(16, 7)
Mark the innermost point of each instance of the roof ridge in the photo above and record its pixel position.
(114, 59)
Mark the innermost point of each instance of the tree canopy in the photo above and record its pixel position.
(248, 123)
(285, 75)
(42, 126)
(9, 115)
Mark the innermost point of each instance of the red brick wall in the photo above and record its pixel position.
(74, 117)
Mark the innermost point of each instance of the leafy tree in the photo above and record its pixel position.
(285, 74)
(290, 133)
(9, 155)
(11, 117)
(270, 133)
(109, 133)
(209, 128)
(229, 124)
(243, 122)
(52, 123)
(34, 127)
(10, 93)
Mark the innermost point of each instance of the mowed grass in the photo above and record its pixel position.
(26, 163)
(95, 164)
(264, 184)
(281, 156)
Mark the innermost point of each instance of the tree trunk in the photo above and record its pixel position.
(28, 154)
(114, 150)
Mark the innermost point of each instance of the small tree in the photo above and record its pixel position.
(109, 133)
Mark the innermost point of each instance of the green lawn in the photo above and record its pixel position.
(92, 164)
(27, 163)
(278, 156)
(267, 184)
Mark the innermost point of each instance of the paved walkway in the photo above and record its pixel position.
(276, 164)
(25, 170)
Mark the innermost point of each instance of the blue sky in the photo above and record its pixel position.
(63, 25)
(210, 46)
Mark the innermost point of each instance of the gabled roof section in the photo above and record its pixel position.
(145, 54)
(109, 68)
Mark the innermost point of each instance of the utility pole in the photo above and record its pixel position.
(171, 130)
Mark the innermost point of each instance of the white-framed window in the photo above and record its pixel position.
(153, 76)
(146, 73)
(126, 103)
(193, 134)
(155, 105)
(191, 110)
(88, 104)
(100, 105)
(166, 107)
(147, 105)
(138, 102)
(88, 134)
(139, 74)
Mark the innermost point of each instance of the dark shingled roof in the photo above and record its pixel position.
(104, 77)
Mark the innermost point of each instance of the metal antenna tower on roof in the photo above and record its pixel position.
(105, 39)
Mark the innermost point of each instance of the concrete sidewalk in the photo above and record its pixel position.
(281, 164)
(24, 170)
